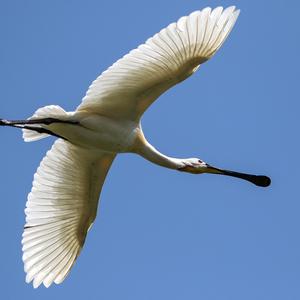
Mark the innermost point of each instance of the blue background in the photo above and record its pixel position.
(162, 234)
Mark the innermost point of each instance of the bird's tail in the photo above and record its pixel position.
(46, 112)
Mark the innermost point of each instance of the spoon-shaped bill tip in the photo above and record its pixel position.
(258, 180)
(261, 180)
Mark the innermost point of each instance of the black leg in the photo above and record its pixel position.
(41, 130)
(23, 124)
(43, 121)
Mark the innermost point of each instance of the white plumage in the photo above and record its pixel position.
(63, 202)
(61, 207)
(130, 85)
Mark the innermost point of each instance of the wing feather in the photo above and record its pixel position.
(129, 86)
(60, 209)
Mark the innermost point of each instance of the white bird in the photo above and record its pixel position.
(62, 204)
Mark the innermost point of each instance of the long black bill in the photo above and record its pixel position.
(259, 180)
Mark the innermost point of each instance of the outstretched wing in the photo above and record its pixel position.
(61, 208)
(129, 86)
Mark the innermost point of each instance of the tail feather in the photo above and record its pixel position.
(50, 111)
(32, 136)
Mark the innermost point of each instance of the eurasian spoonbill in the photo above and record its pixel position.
(62, 204)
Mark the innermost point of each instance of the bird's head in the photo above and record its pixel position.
(197, 166)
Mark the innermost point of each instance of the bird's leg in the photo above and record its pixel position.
(42, 121)
(42, 130)
(23, 124)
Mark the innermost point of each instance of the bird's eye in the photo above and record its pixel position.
(200, 161)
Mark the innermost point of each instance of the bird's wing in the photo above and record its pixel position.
(129, 86)
(61, 208)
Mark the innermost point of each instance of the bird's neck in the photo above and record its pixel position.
(147, 151)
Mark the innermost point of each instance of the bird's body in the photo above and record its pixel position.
(62, 204)
(98, 132)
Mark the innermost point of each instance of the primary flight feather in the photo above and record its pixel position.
(62, 204)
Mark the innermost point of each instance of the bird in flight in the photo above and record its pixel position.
(62, 204)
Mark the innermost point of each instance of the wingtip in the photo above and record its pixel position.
(237, 12)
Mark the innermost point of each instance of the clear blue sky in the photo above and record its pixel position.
(162, 234)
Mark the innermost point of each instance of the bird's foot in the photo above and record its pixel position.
(3, 122)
